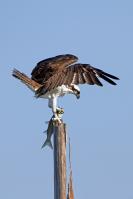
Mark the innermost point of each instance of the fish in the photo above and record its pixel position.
(49, 132)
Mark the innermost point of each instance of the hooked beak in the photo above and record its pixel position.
(78, 95)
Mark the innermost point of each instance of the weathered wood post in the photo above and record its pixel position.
(60, 161)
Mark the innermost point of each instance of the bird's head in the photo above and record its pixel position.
(76, 91)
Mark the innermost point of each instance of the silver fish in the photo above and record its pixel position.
(49, 132)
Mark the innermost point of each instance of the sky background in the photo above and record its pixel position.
(100, 124)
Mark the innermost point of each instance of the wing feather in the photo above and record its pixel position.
(75, 75)
(95, 79)
(46, 68)
(70, 75)
(81, 76)
(106, 74)
(87, 75)
(107, 79)
(78, 74)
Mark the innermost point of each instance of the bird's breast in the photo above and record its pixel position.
(56, 92)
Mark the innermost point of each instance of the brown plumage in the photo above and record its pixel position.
(33, 85)
(48, 67)
(54, 72)
(61, 70)
(57, 76)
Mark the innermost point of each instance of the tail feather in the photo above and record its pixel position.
(34, 86)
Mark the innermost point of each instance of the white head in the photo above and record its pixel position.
(76, 91)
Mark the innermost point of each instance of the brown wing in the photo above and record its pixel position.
(48, 67)
(77, 74)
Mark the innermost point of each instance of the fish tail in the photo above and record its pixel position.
(47, 143)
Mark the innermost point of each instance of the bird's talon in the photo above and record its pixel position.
(59, 111)
(56, 120)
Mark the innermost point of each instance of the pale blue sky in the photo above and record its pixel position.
(100, 123)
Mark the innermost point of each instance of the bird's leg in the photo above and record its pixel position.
(53, 105)
(50, 103)
(58, 109)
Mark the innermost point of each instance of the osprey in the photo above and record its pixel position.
(60, 75)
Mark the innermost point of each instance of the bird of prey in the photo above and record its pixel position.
(60, 75)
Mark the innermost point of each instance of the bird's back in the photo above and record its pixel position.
(48, 67)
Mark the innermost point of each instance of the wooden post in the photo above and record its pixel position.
(60, 161)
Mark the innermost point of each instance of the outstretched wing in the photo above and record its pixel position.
(77, 74)
(48, 67)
